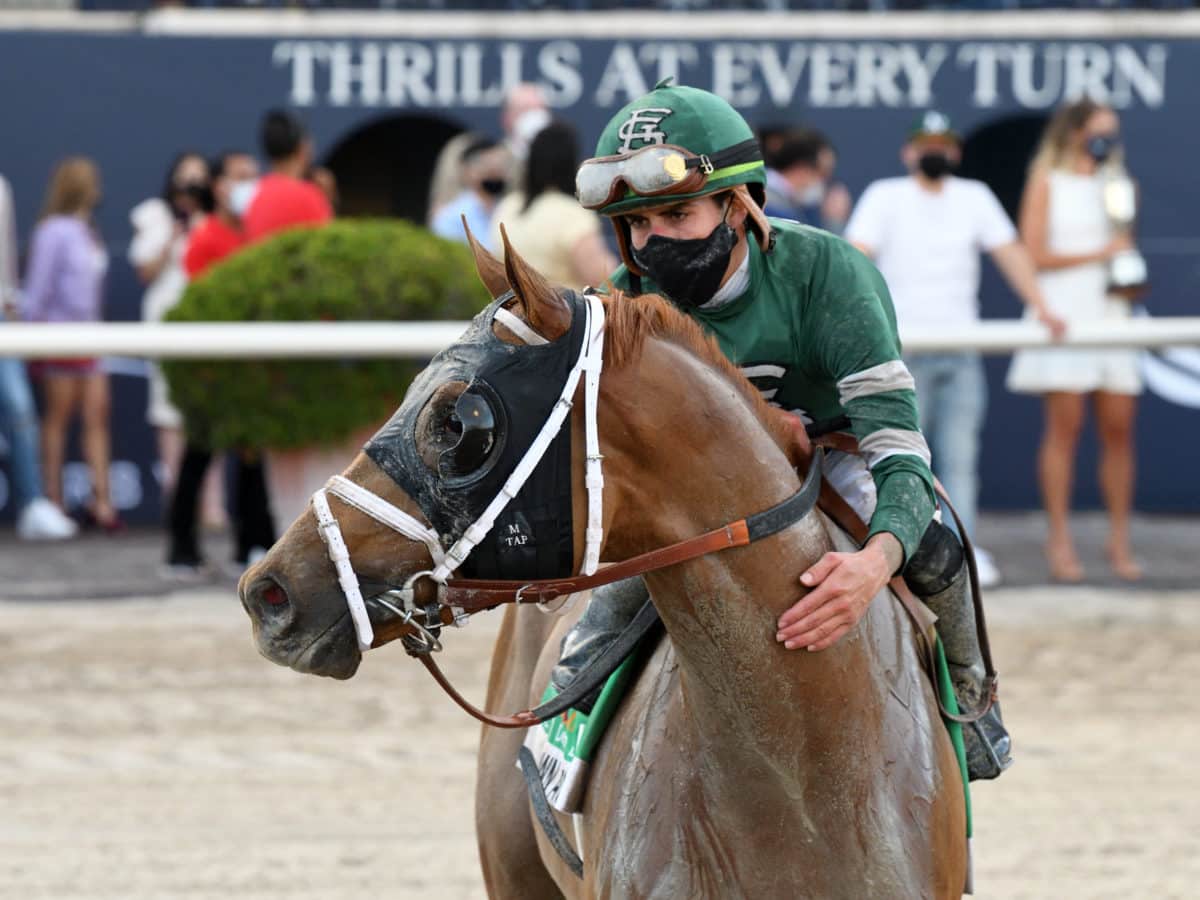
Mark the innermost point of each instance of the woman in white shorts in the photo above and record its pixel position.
(1069, 236)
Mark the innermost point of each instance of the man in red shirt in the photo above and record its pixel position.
(220, 232)
(284, 199)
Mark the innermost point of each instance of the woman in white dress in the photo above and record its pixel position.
(160, 233)
(1069, 236)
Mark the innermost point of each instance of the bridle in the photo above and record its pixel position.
(445, 562)
(455, 600)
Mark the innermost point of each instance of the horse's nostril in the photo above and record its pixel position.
(274, 595)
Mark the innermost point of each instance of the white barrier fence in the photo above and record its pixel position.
(340, 340)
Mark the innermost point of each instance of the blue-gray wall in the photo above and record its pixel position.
(132, 101)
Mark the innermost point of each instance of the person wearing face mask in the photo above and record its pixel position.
(926, 232)
(524, 115)
(161, 226)
(800, 182)
(218, 236)
(220, 233)
(1067, 230)
(485, 167)
(545, 222)
(680, 175)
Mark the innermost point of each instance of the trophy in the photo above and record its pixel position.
(1127, 273)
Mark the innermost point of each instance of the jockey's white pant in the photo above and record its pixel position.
(850, 477)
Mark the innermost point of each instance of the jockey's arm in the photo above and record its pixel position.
(860, 349)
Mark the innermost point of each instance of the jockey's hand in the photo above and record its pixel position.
(843, 584)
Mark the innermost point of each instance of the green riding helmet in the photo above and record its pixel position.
(696, 121)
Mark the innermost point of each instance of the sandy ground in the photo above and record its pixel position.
(148, 752)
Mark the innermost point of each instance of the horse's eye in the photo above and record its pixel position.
(472, 427)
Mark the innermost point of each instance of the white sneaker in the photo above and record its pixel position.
(41, 520)
(989, 575)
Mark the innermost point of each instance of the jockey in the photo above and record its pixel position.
(809, 318)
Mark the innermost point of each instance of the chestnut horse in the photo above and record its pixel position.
(734, 767)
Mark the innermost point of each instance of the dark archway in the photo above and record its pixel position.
(999, 153)
(385, 167)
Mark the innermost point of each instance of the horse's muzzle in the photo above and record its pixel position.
(301, 639)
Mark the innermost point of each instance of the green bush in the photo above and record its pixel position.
(355, 270)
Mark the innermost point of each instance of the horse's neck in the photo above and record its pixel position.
(746, 695)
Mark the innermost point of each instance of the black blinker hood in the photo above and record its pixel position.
(533, 536)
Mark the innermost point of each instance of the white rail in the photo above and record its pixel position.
(262, 340)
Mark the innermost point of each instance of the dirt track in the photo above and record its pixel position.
(148, 752)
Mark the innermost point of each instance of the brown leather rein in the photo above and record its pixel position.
(463, 596)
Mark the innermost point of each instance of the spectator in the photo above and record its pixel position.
(324, 178)
(446, 183)
(219, 232)
(1064, 225)
(800, 181)
(160, 230)
(37, 517)
(560, 238)
(67, 262)
(771, 137)
(283, 198)
(484, 171)
(926, 231)
(524, 115)
(217, 236)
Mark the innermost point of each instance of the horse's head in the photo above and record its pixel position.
(437, 472)
(464, 424)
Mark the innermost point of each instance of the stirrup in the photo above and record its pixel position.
(987, 754)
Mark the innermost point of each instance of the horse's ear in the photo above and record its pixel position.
(490, 269)
(544, 310)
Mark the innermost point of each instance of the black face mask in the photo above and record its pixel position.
(1101, 147)
(493, 186)
(935, 165)
(690, 271)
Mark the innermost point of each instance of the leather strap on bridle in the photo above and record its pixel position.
(476, 595)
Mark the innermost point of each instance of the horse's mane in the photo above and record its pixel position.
(631, 319)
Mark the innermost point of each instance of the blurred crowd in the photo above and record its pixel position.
(926, 229)
(208, 209)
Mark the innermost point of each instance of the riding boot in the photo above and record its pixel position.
(610, 609)
(988, 744)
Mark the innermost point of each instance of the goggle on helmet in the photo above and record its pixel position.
(657, 170)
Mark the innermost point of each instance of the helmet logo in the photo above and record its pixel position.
(642, 125)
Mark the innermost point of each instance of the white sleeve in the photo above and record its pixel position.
(867, 223)
(153, 231)
(995, 229)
